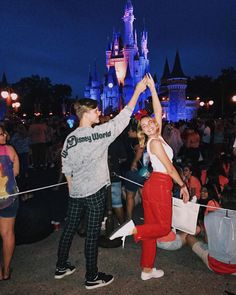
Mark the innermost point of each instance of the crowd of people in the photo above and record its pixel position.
(191, 160)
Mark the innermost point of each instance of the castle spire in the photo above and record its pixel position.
(95, 74)
(166, 72)
(177, 71)
(111, 76)
(128, 19)
(135, 38)
(89, 77)
(4, 82)
(128, 78)
(144, 40)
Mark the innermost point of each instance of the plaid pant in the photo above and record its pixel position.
(93, 206)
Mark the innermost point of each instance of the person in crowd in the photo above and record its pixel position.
(233, 166)
(117, 154)
(156, 195)
(192, 182)
(192, 151)
(172, 136)
(219, 253)
(172, 241)
(38, 133)
(21, 142)
(218, 140)
(210, 198)
(206, 141)
(84, 163)
(9, 169)
(131, 169)
(216, 176)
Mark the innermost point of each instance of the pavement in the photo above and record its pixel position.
(33, 269)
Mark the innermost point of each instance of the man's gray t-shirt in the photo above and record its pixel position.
(85, 155)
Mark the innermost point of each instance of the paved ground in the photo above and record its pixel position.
(33, 270)
(34, 264)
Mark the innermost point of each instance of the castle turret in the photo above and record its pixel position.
(177, 84)
(4, 82)
(110, 95)
(95, 89)
(128, 19)
(166, 71)
(144, 39)
(88, 86)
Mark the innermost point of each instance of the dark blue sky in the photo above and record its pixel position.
(60, 38)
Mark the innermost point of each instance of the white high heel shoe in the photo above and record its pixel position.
(126, 229)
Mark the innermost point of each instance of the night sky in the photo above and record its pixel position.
(60, 38)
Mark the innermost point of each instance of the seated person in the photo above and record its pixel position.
(173, 241)
(192, 182)
(219, 254)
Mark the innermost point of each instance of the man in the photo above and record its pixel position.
(84, 163)
(219, 254)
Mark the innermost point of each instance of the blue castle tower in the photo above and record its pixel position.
(126, 64)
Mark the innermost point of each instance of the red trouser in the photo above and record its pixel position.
(157, 205)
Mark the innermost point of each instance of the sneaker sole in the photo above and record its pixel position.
(58, 277)
(99, 285)
(149, 278)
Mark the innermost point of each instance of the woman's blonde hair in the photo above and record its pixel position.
(142, 137)
(84, 105)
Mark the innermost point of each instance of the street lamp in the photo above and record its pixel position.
(207, 104)
(8, 96)
(16, 105)
(234, 98)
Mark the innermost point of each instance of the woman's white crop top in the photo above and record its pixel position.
(156, 163)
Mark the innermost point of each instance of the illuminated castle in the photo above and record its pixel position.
(127, 62)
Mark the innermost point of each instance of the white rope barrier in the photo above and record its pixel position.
(37, 189)
(201, 205)
(113, 174)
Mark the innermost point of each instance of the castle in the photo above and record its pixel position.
(127, 62)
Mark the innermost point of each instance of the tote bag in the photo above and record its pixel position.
(184, 215)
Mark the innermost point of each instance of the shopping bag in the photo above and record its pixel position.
(184, 215)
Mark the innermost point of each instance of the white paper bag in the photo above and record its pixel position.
(184, 215)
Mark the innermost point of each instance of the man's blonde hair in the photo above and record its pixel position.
(84, 105)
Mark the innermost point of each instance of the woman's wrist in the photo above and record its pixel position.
(183, 186)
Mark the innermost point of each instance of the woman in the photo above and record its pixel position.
(131, 167)
(156, 193)
(9, 169)
(192, 182)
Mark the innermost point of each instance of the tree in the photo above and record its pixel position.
(38, 94)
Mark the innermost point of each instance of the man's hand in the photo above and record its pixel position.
(141, 86)
(150, 82)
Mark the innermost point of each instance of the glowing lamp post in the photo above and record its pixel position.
(234, 99)
(206, 104)
(8, 96)
(16, 105)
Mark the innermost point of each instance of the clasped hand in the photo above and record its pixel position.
(147, 81)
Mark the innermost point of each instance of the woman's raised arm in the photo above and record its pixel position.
(155, 101)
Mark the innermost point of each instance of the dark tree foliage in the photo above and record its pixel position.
(38, 94)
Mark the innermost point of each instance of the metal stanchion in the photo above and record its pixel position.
(104, 241)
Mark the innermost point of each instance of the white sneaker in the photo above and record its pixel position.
(126, 229)
(155, 274)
